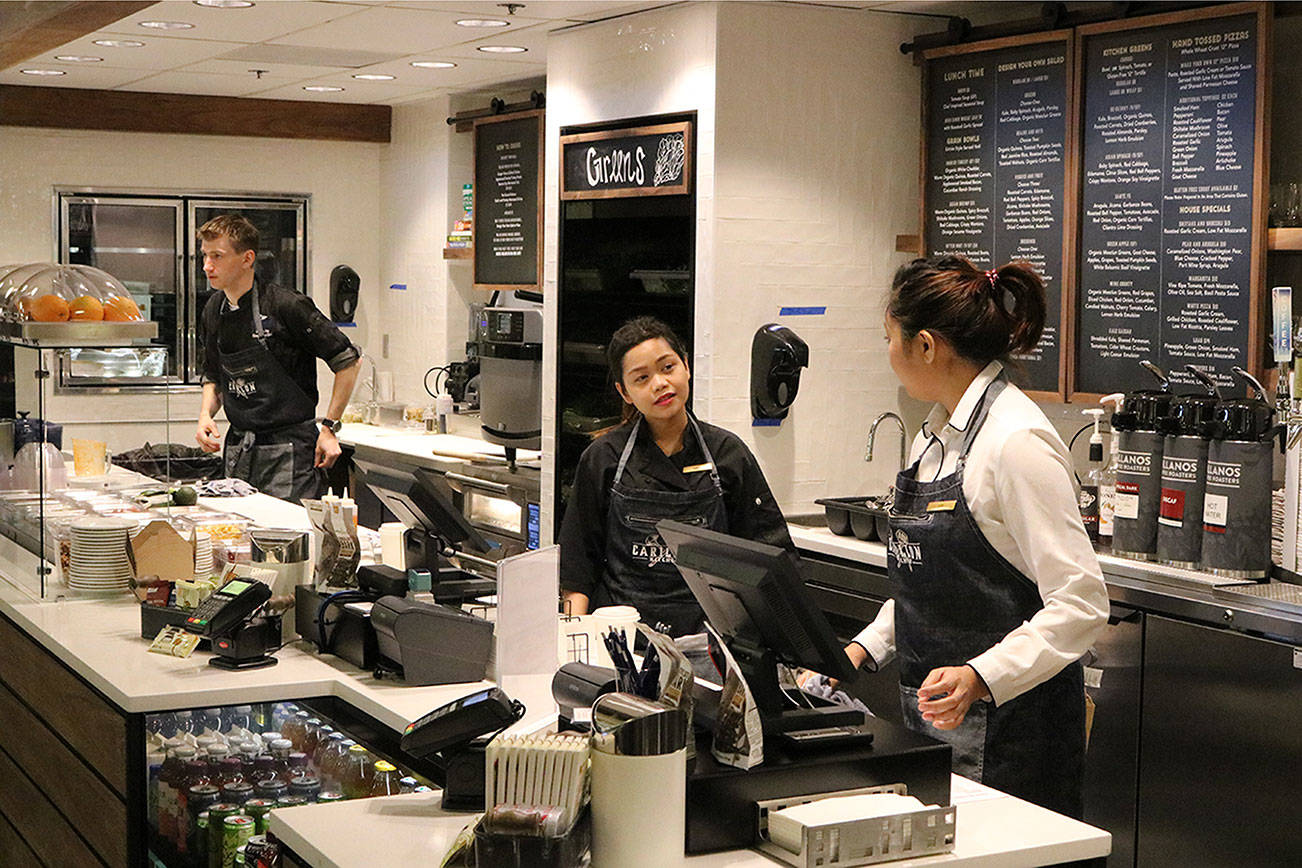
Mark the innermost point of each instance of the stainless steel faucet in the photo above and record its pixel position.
(872, 436)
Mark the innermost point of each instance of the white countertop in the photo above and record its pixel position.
(994, 830)
(431, 450)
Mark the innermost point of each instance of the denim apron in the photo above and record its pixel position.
(955, 597)
(640, 569)
(271, 442)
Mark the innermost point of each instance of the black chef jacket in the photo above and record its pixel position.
(299, 335)
(752, 512)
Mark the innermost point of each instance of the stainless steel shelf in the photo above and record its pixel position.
(57, 335)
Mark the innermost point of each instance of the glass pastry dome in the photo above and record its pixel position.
(49, 292)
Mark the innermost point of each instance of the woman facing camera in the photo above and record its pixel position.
(997, 591)
(661, 463)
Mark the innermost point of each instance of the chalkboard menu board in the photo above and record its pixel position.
(508, 190)
(995, 171)
(1170, 241)
(638, 161)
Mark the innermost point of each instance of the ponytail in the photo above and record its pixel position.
(983, 315)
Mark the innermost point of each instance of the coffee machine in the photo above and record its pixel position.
(510, 378)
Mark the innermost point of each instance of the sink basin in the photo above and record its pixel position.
(813, 519)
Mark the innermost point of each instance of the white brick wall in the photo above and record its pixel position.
(342, 177)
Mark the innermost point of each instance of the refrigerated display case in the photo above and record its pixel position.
(205, 764)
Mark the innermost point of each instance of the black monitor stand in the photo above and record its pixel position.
(760, 668)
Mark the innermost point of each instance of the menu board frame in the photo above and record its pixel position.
(1069, 168)
(683, 187)
(484, 277)
(1257, 254)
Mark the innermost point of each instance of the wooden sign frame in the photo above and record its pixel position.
(480, 239)
(1257, 298)
(1066, 280)
(682, 188)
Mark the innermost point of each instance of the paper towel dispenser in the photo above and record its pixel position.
(776, 356)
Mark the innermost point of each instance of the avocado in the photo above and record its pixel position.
(185, 496)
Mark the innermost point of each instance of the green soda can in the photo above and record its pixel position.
(217, 815)
(236, 831)
(290, 801)
(259, 810)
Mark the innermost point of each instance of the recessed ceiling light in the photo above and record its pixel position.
(119, 43)
(433, 64)
(166, 25)
(78, 58)
(373, 76)
(322, 88)
(43, 72)
(483, 22)
(503, 49)
(224, 4)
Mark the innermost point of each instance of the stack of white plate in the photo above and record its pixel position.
(98, 559)
(203, 558)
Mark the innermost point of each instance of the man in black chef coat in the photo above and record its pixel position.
(260, 346)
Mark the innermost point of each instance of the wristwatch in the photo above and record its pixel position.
(333, 424)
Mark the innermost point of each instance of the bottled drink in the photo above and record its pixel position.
(295, 729)
(307, 786)
(194, 774)
(264, 769)
(298, 766)
(268, 737)
(217, 754)
(241, 718)
(272, 789)
(237, 792)
(212, 722)
(249, 752)
(169, 778)
(385, 781)
(204, 743)
(318, 753)
(185, 722)
(356, 783)
(325, 753)
(407, 784)
(200, 798)
(232, 771)
(281, 748)
(311, 736)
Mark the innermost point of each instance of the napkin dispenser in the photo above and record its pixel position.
(429, 643)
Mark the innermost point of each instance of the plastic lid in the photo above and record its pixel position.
(282, 744)
(357, 748)
(385, 766)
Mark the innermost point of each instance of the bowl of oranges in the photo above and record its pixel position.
(74, 294)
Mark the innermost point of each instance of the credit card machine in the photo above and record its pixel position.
(231, 605)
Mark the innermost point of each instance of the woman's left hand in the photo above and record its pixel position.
(947, 694)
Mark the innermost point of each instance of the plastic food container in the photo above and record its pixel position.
(865, 518)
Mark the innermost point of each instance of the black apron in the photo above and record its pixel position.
(640, 569)
(271, 443)
(955, 597)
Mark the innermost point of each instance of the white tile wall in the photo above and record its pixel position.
(342, 178)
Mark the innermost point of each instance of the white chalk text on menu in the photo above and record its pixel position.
(996, 172)
(1167, 175)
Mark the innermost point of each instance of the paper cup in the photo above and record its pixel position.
(90, 457)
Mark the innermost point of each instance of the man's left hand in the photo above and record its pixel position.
(947, 694)
(327, 448)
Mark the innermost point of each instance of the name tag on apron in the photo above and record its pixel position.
(941, 505)
(697, 468)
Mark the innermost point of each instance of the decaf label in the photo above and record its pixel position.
(643, 161)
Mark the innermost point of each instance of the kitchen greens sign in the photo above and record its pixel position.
(638, 161)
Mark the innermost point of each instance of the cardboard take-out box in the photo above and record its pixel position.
(158, 550)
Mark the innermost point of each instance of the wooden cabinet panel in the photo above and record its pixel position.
(79, 715)
(85, 800)
(55, 843)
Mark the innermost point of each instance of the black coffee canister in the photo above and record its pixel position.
(1184, 476)
(1139, 469)
(1236, 507)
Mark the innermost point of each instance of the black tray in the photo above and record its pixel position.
(154, 618)
(862, 517)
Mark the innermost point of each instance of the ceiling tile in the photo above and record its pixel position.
(157, 52)
(91, 76)
(533, 38)
(266, 20)
(386, 28)
(355, 92)
(468, 70)
(288, 71)
(208, 84)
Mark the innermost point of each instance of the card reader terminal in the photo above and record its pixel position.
(458, 722)
(228, 607)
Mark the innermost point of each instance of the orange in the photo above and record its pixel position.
(49, 308)
(85, 308)
(121, 308)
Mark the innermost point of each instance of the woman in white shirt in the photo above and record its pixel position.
(997, 591)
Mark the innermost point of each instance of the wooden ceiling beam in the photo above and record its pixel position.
(29, 29)
(129, 111)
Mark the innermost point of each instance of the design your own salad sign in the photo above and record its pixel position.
(638, 161)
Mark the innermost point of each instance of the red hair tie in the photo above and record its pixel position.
(992, 275)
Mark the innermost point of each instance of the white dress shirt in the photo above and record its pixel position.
(1021, 490)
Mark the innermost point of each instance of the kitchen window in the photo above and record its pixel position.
(147, 241)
